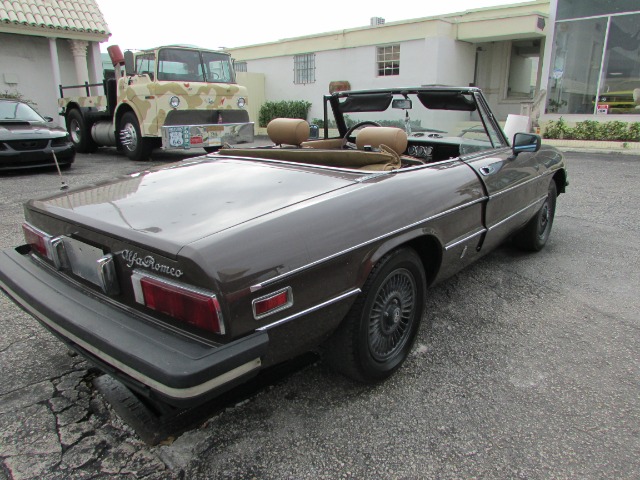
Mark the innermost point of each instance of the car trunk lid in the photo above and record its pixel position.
(166, 208)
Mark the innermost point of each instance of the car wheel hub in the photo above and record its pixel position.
(392, 314)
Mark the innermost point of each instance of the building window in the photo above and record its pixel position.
(304, 68)
(596, 65)
(240, 66)
(388, 61)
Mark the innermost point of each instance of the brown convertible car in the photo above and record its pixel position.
(187, 279)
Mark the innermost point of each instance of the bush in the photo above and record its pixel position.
(283, 109)
(614, 130)
(587, 130)
(557, 130)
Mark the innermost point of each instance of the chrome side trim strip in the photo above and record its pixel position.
(181, 393)
(506, 190)
(258, 286)
(462, 240)
(348, 294)
(496, 225)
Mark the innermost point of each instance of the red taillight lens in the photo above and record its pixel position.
(198, 309)
(272, 303)
(37, 239)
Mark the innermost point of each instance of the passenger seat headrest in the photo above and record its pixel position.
(394, 138)
(288, 131)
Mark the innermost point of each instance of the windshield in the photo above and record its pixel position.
(426, 116)
(19, 112)
(194, 66)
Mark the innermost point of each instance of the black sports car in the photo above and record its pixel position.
(28, 140)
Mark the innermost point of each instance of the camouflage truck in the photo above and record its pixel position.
(171, 97)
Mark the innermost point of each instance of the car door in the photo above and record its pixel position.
(514, 184)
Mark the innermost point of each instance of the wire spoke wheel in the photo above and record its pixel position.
(377, 334)
(391, 314)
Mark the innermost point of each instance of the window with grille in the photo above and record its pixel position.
(388, 60)
(240, 66)
(304, 68)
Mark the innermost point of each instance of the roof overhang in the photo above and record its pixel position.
(507, 28)
(38, 31)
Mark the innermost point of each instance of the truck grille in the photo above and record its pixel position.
(205, 117)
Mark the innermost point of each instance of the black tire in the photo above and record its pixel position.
(134, 145)
(533, 237)
(376, 337)
(211, 149)
(80, 132)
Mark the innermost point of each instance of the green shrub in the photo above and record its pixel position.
(558, 130)
(283, 109)
(587, 130)
(634, 132)
(615, 130)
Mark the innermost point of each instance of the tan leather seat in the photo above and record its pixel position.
(394, 138)
(288, 131)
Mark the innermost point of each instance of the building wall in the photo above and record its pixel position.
(422, 62)
(26, 60)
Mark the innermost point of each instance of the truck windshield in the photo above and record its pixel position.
(193, 66)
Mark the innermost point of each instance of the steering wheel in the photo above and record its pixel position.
(357, 126)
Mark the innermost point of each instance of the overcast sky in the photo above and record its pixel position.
(139, 24)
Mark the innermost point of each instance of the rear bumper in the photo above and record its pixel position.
(153, 360)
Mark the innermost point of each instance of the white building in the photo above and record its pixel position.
(46, 43)
(498, 49)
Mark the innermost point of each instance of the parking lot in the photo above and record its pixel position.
(531, 369)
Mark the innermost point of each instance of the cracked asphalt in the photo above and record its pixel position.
(531, 370)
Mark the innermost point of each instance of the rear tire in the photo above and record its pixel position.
(375, 338)
(134, 145)
(211, 149)
(533, 237)
(80, 132)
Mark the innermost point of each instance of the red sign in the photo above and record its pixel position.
(196, 140)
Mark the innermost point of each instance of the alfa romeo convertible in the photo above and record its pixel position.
(186, 279)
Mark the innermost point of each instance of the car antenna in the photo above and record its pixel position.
(64, 185)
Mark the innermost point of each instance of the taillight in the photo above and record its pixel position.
(272, 303)
(187, 304)
(37, 240)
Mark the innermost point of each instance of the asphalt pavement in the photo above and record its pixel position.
(531, 369)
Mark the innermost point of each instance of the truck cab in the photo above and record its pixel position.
(172, 97)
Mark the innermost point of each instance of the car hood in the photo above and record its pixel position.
(167, 208)
(15, 130)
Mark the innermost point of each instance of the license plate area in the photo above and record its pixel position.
(91, 264)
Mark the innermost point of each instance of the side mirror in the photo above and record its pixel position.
(525, 142)
(129, 63)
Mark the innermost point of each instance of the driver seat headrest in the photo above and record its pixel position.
(392, 137)
(288, 131)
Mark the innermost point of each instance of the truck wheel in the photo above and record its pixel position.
(376, 337)
(211, 149)
(80, 132)
(135, 146)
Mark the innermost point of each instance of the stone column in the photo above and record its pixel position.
(55, 70)
(79, 50)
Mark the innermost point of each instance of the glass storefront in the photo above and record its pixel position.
(596, 60)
